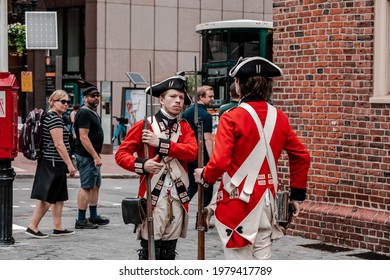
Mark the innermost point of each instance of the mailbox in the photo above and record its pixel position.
(8, 116)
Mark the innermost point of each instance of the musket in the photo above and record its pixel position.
(149, 213)
(199, 125)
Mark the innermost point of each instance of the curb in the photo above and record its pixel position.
(104, 176)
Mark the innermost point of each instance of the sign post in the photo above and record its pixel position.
(41, 34)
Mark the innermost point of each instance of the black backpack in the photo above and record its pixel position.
(31, 135)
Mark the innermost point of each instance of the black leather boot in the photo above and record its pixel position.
(143, 254)
(168, 248)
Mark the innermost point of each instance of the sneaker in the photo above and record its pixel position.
(57, 232)
(34, 234)
(99, 220)
(86, 224)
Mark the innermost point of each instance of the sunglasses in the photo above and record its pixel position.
(64, 101)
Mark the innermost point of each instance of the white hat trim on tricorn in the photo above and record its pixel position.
(176, 82)
(255, 66)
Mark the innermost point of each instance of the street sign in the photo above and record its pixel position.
(50, 82)
(41, 30)
(27, 81)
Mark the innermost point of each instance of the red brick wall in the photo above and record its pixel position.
(325, 49)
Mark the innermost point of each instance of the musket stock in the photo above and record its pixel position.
(149, 213)
(199, 125)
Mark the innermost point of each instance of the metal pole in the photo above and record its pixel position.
(7, 176)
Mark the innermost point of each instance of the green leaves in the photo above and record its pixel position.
(17, 38)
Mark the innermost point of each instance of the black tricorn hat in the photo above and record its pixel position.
(176, 82)
(255, 66)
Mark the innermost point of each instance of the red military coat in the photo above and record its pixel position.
(236, 137)
(131, 154)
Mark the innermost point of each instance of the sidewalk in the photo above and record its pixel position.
(25, 168)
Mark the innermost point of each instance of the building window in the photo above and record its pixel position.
(71, 40)
(381, 52)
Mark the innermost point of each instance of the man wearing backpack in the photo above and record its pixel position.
(89, 143)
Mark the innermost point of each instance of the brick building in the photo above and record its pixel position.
(335, 57)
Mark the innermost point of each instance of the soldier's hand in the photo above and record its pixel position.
(198, 175)
(152, 165)
(148, 137)
(296, 206)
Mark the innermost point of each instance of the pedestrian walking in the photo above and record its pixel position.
(171, 143)
(89, 144)
(50, 181)
(248, 144)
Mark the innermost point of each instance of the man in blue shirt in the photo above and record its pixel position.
(205, 99)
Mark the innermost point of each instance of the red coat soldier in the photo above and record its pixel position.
(172, 144)
(249, 141)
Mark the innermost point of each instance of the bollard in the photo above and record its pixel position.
(7, 176)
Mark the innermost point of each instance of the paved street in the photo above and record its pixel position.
(116, 241)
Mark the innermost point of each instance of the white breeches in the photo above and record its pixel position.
(163, 228)
(261, 249)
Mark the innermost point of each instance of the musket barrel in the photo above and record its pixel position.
(196, 114)
(149, 213)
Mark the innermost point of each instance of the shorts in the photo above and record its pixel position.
(90, 176)
(50, 182)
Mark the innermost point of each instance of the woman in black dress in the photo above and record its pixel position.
(50, 182)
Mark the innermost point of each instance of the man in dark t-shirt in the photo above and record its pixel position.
(89, 119)
(89, 143)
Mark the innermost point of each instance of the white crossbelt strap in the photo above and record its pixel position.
(251, 166)
(176, 169)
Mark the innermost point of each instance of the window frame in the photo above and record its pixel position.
(381, 91)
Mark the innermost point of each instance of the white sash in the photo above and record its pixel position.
(176, 170)
(251, 166)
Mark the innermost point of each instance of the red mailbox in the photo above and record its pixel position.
(8, 116)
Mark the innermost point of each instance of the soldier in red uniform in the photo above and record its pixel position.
(248, 144)
(172, 144)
